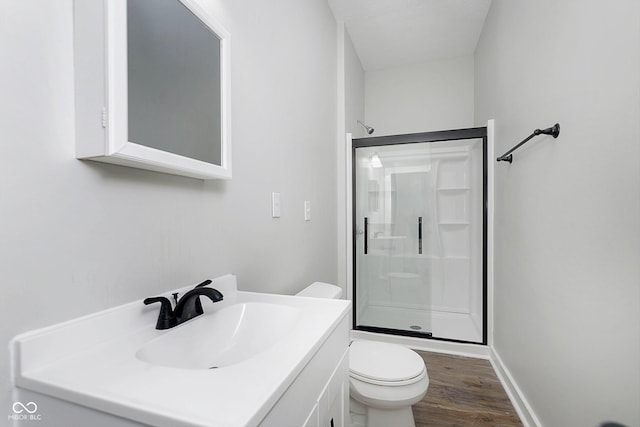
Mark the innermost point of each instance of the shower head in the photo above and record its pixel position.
(369, 129)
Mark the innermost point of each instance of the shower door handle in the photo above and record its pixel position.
(366, 235)
(420, 235)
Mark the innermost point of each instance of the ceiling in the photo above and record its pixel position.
(390, 33)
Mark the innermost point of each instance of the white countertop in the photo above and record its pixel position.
(91, 361)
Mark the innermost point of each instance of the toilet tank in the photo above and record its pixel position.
(321, 290)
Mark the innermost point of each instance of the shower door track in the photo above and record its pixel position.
(412, 138)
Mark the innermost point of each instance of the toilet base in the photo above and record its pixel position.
(366, 416)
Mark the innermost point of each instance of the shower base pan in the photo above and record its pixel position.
(441, 325)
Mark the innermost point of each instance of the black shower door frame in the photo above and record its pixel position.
(412, 138)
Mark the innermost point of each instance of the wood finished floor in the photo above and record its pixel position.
(463, 391)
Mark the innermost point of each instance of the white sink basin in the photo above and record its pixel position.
(225, 337)
(274, 354)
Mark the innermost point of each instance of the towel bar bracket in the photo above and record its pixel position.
(553, 131)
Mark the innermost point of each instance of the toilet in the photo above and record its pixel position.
(385, 380)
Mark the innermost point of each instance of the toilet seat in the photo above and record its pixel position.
(369, 363)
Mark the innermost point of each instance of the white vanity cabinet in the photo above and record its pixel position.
(319, 397)
(333, 404)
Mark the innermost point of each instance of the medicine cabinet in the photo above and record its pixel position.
(152, 86)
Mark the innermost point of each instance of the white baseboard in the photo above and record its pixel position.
(518, 400)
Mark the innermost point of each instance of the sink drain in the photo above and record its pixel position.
(213, 367)
(415, 327)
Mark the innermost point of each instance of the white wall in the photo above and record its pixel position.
(567, 244)
(350, 109)
(435, 95)
(79, 236)
(354, 89)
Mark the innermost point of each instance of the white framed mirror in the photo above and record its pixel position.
(152, 86)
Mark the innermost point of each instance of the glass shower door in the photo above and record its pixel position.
(418, 239)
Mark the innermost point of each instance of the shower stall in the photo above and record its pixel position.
(419, 246)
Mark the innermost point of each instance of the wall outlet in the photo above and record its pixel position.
(307, 210)
(275, 205)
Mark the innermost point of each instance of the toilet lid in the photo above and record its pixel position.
(377, 362)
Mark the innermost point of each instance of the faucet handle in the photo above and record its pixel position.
(205, 283)
(166, 318)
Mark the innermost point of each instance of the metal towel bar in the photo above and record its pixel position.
(553, 131)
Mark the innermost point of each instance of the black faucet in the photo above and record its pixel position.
(187, 307)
